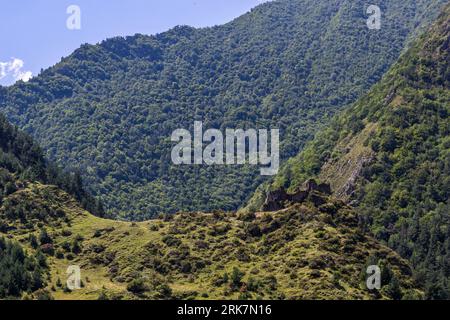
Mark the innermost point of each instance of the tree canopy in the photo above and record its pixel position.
(108, 110)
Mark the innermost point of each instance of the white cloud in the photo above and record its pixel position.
(3, 66)
(24, 76)
(13, 70)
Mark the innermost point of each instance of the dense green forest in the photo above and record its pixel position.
(313, 250)
(108, 110)
(389, 155)
(20, 272)
(22, 160)
(385, 157)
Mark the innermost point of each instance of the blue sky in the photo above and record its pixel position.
(34, 34)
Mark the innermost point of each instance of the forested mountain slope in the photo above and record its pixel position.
(109, 109)
(22, 165)
(389, 154)
(301, 252)
(22, 160)
(311, 250)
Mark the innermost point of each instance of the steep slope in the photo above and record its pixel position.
(389, 154)
(109, 109)
(21, 162)
(302, 252)
(21, 159)
(310, 250)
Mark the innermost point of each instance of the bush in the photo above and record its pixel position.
(137, 286)
(44, 237)
(164, 291)
(76, 248)
(236, 278)
(171, 241)
(66, 233)
(253, 284)
(59, 254)
(253, 230)
(33, 241)
(247, 216)
(48, 249)
(43, 295)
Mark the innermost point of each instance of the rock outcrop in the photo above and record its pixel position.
(280, 199)
(275, 200)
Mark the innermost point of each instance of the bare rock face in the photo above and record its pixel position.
(299, 196)
(275, 200)
(310, 185)
(317, 193)
(317, 199)
(324, 188)
(348, 189)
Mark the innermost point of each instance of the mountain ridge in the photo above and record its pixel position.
(117, 103)
(301, 252)
(382, 201)
(310, 250)
(389, 155)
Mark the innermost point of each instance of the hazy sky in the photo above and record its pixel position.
(34, 33)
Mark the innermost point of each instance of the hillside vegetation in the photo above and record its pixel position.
(389, 155)
(309, 249)
(382, 197)
(108, 110)
(21, 161)
(302, 252)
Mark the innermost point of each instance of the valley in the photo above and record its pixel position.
(93, 207)
(108, 110)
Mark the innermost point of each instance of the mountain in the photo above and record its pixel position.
(23, 169)
(21, 160)
(313, 249)
(389, 155)
(301, 252)
(108, 110)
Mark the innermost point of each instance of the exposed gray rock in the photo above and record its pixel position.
(299, 196)
(348, 189)
(278, 199)
(275, 200)
(310, 185)
(324, 188)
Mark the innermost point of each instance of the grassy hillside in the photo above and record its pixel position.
(309, 250)
(22, 158)
(389, 154)
(22, 161)
(109, 109)
(301, 252)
